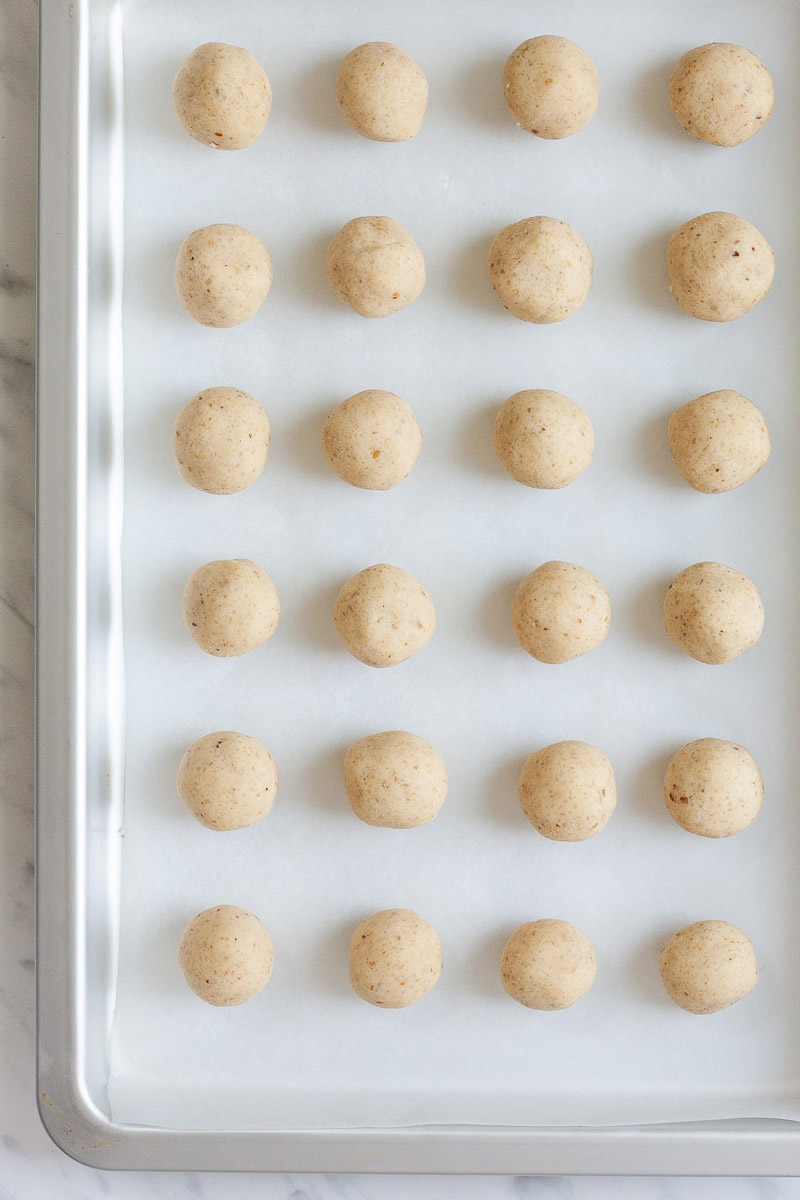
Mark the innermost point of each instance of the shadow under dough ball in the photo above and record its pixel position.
(222, 96)
(221, 441)
(230, 607)
(542, 439)
(227, 780)
(718, 441)
(395, 958)
(383, 616)
(540, 269)
(707, 966)
(560, 612)
(382, 92)
(375, 266)
(372, 440)
(713, 788)
(395, 780)
(721, 93)
(713, 612)
(719, 266)
(551, 87)
(226, 955)
(548, 965)
(222, 275)
(568, 791)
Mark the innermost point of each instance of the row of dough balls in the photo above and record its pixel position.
(560, 611)
(397, 780)
(226, 957)
(720, 93)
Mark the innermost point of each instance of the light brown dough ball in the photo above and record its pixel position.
(221, 441)
(222, 274)
(372, 440)
(374, 265)
(395, 779)
(395, 958)
(230, 607)
(718, 441)
(543, 439)
(227, 780)
(547, 965)
(708, 966)
(568, 791)
(560, 612)
(540, 269)
(719, 266)
(551, 87)
(222, 96)
(721, 93)
(382, 92)
(713, 612)
(383, 616)
(226, 955)
(713, 788)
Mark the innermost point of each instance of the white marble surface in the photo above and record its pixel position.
(30, 1166)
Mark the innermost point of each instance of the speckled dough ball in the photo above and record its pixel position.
(713, 788)
(718, 441)
(222, 274)
(560, 612)
(721, 93)
(395, 779)
(230, 607)
(222, 96)
(568, 791)
(226, 955)
(375, 266)
(719, 266)
(547, 965)
(551, 87)
(227, 780)
(383, 616)
(395, 958)
(382, 92)
(543, 439)
(713, 612)
(221, 441)
(540, 269)
(708, 966)
(372, 440)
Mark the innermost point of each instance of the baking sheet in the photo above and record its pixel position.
(307, 1053)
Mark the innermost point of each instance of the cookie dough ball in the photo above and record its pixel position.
(227, 780)
(396, 780)
(718, 441)
(568, 791)
(560, 612)
(543, 439)
(547, 965)
(721, 93)
(372, 440)
(222, 96)
(719, 266)
(395, 958)
(374, 265)
(708, 966)
(540, 269)
(551, 87)
(382, 92)
(221, 441)
(226, 955)
(713, 612)
(383, 616)
(222, 275)
(230, 607)
(713, 788)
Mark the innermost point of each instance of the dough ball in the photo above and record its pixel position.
(718, 441)
(713, 788)
(713, 612)
(221, 441)
(708, 966)
(547, 965)
(227, 780)
(225, 955)
(222, 96)
(372, 440)
(721, 94)
(560, 612)
(396, 780)
(551, 87)
(540, 269)
(382, 92)
(222, 274)
(568, 791)
(230, 607)
(383, 616)
(375, 266)
(395, 958)
(543, 439)
(719, 266)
